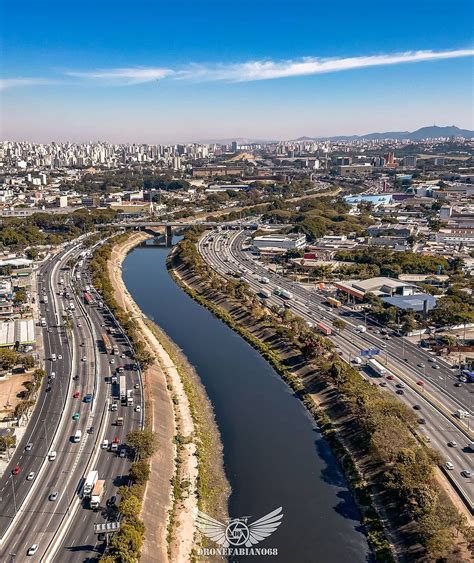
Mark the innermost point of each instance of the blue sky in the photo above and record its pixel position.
(164, 71)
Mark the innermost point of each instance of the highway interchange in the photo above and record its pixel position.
(64, 528)
(437, 399)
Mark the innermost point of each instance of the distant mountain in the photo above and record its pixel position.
(239, 140)
(431, 132)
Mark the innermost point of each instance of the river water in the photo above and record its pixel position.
(274, 454)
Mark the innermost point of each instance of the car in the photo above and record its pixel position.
(112, 361)
(90, 430)
(383, 345)
(449, 465)
(113, 407)
(84, 359)
(419, 382)
(105, 444)
(76, 395)
(406, 360)
(138, 408)
(112, 500)
(79, 325)
(417, 407)
(421, 365)
(137, 386)
(16, 470)
(53, 496)
(466, 473)
(75, 378)
(383, 384)
(457, 384)
(33, 549)
(82, 344)
(432, 360)
(400, 392)
(28, 446)
(30, 476)
(435, 366)
(401, 385)
(123, 356)
(421, 421)
(60, 357)
(76, 416)
(123, 452)
(390, 377)
(452, 444)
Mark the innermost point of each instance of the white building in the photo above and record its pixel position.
(280, 242)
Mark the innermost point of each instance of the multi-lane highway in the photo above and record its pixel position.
(82, 367)
(436, 399)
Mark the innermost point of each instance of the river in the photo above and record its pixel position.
(274, 454)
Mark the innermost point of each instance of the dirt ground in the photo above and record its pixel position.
(10, 386)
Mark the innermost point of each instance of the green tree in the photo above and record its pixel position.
(20, 297)
(140, 472)
(130, 507)
(339, 324)
(143, 441)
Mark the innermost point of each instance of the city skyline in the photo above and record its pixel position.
(107, 72)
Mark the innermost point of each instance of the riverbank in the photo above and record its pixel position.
(187, 470)
(347, 410)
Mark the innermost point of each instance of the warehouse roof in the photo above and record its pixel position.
(412, 302)
(20, 330)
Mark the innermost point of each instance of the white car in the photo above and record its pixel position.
(466, 473)
(452, 444)
(123, 356)
(105, 444)
(112, 361)
(449, 465)
(138, 408)
(30, 476)
(84, 359)
(60, 357)
(33, 549)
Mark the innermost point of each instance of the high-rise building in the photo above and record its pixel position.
(234, 146)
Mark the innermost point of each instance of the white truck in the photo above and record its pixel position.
(265, 292)
(460, 413)
(360, 328)
(91, 480)
(286, 294)
(130, 398)
(264, 280)
(123, 387)
(96, 494)
(377, 367)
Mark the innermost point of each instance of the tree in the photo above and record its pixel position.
(143, 441)
(130, 507)
(20, 297)
(339, 324)
(125, 546)
(8, 359)
(27, 361)
(140, 472)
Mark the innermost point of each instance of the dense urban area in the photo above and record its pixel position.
(347, 263)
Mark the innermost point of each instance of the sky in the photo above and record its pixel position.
(154, 71)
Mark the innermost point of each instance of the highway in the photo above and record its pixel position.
(64, 524)
(437, 398)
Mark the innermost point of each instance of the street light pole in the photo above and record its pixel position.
(13, 491)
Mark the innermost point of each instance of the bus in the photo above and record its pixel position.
(377, 367)
(467, 376)
(107, 344)
(324, 328)
(89, 300)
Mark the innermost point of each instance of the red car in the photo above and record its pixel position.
(391, 377)
(420, 382)
(76, 395)
(16, 470)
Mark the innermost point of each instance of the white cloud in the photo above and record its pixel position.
(125, 76)
(17, 82)
(266, 70)
(244, 72)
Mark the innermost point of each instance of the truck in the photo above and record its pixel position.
(286, 294)
(360, 328)
(130, 398)
(263, 279)
(333, 302)
(90, 481)
(45, 299)
(88, 299)
(461, 414)
(96, 494)
(467, 376)
(106, 342)
(324, 328)
(377, 367)
(115, 351)
(43, 321)
(123, 387)
(265, 292)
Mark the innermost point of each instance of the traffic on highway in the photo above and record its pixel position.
(424, 382)
(90, 399)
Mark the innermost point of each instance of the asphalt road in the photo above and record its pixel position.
(401, 358)
(40, 520)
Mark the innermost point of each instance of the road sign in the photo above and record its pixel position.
(106, 527)
(370, 352)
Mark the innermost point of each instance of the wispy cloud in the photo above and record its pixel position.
(245, 71)
(266, 70)
(17, 82)
(138, 75)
